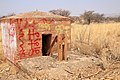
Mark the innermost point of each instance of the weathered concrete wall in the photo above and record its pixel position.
(29, 40)
(23, 37)
(9, 40)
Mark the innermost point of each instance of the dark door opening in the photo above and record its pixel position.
(46, 42)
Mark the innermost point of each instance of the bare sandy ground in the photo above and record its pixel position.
(77, 67)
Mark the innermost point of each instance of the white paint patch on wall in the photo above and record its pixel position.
(9, 40)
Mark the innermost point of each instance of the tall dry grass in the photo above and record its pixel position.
(100, 40)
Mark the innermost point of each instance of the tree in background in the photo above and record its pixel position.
(117, 19)
(75, 19)
(98, 17)
(112, 19)
(61, 12)
(89, 16)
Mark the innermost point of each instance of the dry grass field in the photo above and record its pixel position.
(101, 40)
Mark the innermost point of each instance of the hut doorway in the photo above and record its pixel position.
(46, 42)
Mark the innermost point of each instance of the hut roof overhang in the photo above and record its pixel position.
(37, 15)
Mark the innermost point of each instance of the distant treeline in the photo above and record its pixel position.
(86, 18)
(12, 14)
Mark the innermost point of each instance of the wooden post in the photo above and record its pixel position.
(59, 47)
(65, 47)
(62, 47)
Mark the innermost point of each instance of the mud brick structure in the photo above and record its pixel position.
(35, 34)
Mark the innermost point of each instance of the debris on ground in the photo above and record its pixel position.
(47, 68)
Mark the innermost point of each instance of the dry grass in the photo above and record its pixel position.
(100, 40)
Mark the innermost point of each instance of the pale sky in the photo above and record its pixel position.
(76, 7)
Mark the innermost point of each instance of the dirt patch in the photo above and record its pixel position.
(47, 68)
